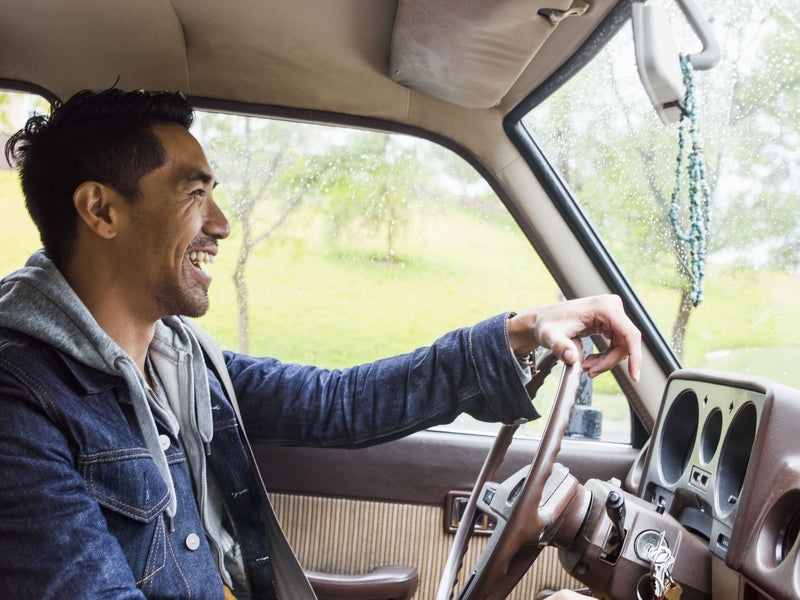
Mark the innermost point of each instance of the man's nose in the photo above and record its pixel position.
(216, 223)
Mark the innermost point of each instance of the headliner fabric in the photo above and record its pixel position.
(470, 52)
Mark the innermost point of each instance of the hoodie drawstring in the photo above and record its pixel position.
(147, 426)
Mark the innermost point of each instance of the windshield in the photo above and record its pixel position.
(619, 161)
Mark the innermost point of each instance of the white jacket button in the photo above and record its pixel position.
(192, 541)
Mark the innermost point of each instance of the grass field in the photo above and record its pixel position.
(340, 302)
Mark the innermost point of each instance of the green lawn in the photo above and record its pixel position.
(19, 235)
(341, 303)
(749, 322)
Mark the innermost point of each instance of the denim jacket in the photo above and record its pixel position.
(82, 502)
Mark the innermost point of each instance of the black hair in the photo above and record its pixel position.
(101, 136)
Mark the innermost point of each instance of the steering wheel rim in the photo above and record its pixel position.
(517, 542)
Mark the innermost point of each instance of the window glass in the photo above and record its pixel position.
(602, 135)
(19, 235)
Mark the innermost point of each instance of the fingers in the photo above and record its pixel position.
(608, 318)
(565, 349)
(626, 340)
(555, 327)
(599, 363)
(634, 351)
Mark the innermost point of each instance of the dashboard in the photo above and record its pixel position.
(725, 463)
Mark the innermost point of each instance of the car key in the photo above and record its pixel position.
(674, 591)
(661, 561)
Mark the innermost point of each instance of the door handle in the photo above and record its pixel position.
(454, 509)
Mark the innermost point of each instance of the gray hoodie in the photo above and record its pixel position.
(38, 301)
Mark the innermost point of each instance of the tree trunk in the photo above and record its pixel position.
(390, 235)
(681, 323)
(242, 303)
(243, 209)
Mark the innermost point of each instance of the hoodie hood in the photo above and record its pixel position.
(37, 301)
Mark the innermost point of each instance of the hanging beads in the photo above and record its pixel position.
(699, 195)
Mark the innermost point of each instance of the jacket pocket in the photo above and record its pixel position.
(132, 495)
(126, 481)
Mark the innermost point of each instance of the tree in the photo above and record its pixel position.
(267, 173)
(384, 179)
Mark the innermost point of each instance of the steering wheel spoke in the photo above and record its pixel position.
(538, 505)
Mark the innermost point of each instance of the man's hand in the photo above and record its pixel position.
(555, 325)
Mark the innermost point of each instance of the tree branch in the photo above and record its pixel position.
(291, 205)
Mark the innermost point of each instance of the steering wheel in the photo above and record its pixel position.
(538, 505)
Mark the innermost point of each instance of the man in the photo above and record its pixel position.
(125, 471)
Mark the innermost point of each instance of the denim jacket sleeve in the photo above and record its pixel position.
(468, 370)
(53, 537)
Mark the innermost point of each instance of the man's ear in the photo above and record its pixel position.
(96, 206)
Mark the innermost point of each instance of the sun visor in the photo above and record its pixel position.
(470, 52)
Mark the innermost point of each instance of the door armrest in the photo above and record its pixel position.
(391, 582)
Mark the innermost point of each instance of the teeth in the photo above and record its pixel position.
(199, 258)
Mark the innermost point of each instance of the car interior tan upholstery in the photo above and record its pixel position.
(379, 517)
(469, 53)
(311, 45)
(97, 49)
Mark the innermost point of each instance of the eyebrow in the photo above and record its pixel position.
(202, 177)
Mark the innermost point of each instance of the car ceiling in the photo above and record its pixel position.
(311, 54)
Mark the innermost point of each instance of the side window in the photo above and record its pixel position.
(350, 245)
(19, 235)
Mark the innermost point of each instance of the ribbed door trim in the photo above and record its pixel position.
(354, 536)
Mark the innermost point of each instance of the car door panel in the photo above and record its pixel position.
(450, 461)
(349, 511)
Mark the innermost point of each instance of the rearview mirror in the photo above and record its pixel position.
(657, 60)
(657, 57)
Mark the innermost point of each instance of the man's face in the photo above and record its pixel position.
(173, 230)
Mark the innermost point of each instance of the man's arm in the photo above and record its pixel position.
(468, 370)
